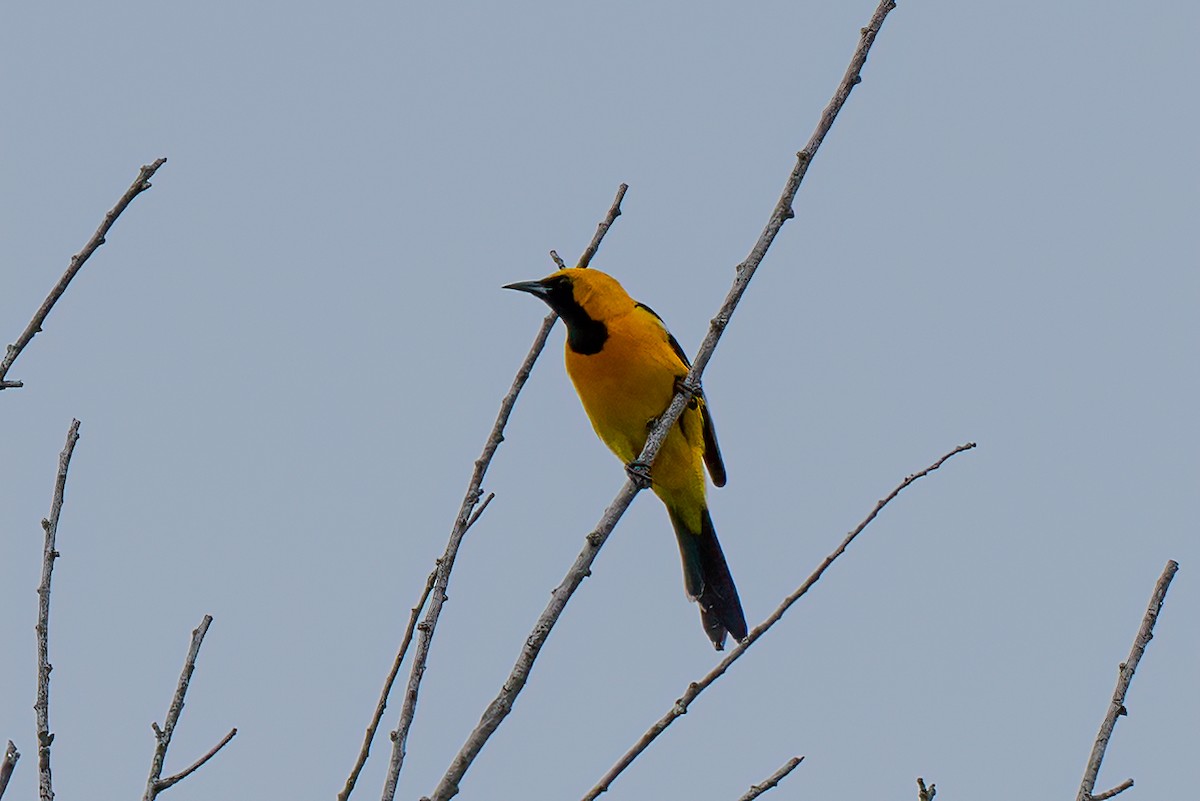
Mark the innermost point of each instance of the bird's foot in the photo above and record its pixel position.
(639, 474)
(692, 393)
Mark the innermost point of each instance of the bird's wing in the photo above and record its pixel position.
(712, 451)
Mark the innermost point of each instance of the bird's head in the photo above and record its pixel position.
(575, 293)
(585, 300)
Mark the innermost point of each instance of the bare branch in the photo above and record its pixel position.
(1116, 707)
(446, 563)
(461, 524)
(369, 738)
(162, 737)
(1120, 788)
(49, 554)
(680, 707)
(557, 259)
(140, 184)
(183, 774)
(925, 793)
(614, 212)
(11, 755)
(775, 778)
(499, 708)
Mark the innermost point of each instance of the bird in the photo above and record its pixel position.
(626, 367)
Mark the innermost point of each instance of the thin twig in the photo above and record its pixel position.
(680, 707)
(162, 737)
(183, 774)
(1120, 788)
(925, 793)
(499, 708)
(461, 524)
(369, 738)
(775, 778)
(49, 554)
(1116, 707)
(557, 259)
(11, 755)
(140, 184)
(614, 212)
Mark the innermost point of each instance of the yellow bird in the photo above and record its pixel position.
(625, 366)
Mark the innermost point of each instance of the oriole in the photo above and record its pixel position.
(625, 365)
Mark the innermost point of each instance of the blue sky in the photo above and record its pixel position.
(291, 349)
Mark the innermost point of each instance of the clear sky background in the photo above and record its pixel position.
(292, 347)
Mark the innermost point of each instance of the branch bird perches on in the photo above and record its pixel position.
(499, 708)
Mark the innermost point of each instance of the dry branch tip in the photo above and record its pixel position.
(1116, 707)
(140, 184)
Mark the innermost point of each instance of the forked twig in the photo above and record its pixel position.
(774, 779)
(462, 523)
(188, 771)
(49, 554)
(155, 784)
(499, 708)
(1116, 707)
(140, 184)
(680, 707)
(369, 737)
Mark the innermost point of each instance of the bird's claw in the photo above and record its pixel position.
(693, 394)
(639, 474)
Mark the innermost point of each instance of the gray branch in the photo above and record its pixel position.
(11, 755)
(188, 771)
(614, 212)
(140, 184)
(49, 553)
(925, 793)
(1116, 707)
(369, 738)
(499, 708)
(680, 707)
(155, 784)
(463, 522)
(1120, 788)
(774, 779)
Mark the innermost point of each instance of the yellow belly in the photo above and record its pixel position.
(624, 388)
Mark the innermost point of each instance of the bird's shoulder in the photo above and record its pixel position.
(647, 314)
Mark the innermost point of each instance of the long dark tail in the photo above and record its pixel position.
(707, 579)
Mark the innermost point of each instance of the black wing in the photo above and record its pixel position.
(712, 452)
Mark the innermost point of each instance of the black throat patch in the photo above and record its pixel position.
(585, 336)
